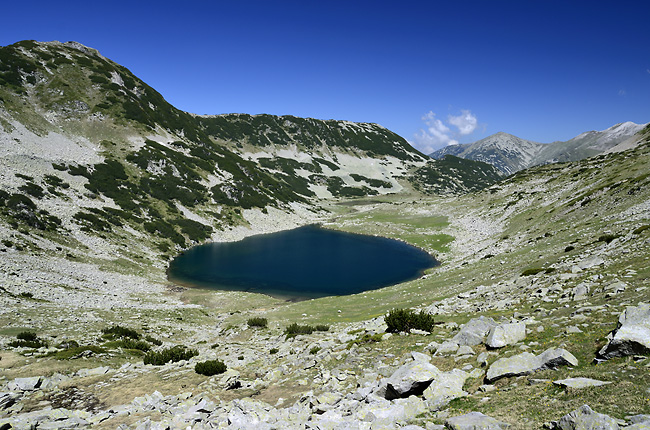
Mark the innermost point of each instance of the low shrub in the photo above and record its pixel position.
(27, 339)
(531, 272)
(607, 238)
(569, 248)
(140, 345)
(152, 340)
(365, 339)
(257, 322)
(322, 327)
(274, 351)
(173, 354)
(27, 335)
(117, 332)
(295, 329)
(210, 367)
(405, 320)
(641, 229)
(314, 350)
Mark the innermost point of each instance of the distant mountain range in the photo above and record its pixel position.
(510, 153)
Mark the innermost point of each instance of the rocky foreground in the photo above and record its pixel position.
(341, 378)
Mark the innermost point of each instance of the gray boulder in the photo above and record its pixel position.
(9, 399)
(475, 421)
(475, 331)
(506, 334)
(527, 363)
(410, 379)
(25, 384)
(446, 387)
(639, 422)
(632, 336)
(584, 418)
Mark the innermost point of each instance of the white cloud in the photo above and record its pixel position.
(438, 134)
(465, 122)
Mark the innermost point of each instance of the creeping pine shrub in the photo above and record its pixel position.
(153, 340)
(140, 345)
(295, 329)
(173, 354)
(322, 327)
(210, 367)
(117, 332)
(273, 351)
(607, 238)
(257, 322)
(365, 339)
(641, 229)
(27, 339)
(405, 320)
(314, 350)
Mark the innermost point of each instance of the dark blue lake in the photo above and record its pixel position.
(303, 263)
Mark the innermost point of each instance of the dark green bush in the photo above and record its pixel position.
(173, 354)
(257, 322)
(295, 329)
(273, 351)
(569, 248)
(27, 335)
(405, 320)
(210, 367)
(641, 229)
(153, 340)
(117, 332)
(365, 339)
(608, 237)
(128, 343)
(322, 327)
(27, 339)
(531, 272)
(314, 350)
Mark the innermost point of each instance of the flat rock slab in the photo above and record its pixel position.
(632, 336)
(527, 363)
(577, 383)
(475, 421)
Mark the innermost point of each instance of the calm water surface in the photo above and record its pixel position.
(303, 263)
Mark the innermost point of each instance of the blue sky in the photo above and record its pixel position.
(433, 72)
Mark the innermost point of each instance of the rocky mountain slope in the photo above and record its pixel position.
(510, 154)
(90, 150)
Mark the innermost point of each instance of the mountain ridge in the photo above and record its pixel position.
(510, 153)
